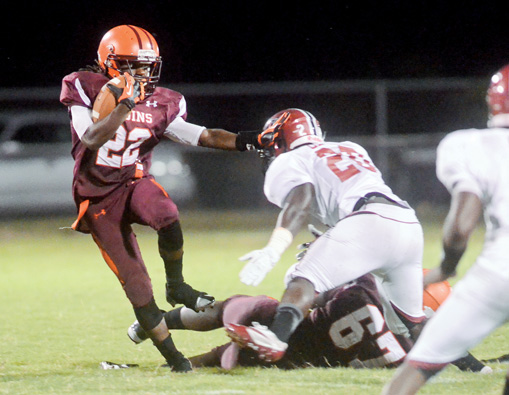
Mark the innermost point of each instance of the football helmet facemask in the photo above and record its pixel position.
(497, 99)
(289, 129)
(131, 49)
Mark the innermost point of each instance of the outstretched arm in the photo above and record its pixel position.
(218, 138)
(293, 216)
(222, 139)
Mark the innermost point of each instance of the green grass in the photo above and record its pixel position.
(63, 312)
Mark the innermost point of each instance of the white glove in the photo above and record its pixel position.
(260, 262)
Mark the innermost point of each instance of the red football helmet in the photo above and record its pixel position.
(498, 99)
(132, 49)
(289, 129)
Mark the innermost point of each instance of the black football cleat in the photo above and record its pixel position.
(183, 293)
(179, 364)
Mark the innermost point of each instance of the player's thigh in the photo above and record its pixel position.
(354, 247)
(402, 270)
(119, 248)
(151, 205)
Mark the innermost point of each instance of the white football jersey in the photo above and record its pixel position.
(341, 174)
(477, 161)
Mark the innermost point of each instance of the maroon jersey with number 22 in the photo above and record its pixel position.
(97, 173)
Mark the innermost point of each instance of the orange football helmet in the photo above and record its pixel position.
(498, 98)
(289, 129)
(129, 48)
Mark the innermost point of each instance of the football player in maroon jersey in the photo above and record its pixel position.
(348, 327)
(112, 187)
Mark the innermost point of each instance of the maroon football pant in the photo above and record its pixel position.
(144, 202)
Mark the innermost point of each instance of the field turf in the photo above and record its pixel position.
(63, 312)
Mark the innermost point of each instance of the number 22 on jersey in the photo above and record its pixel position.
(334, 156)
(123, 149)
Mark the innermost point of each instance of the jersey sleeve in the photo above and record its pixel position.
(81, 88)
(178, 129)
(285, 173)
(184, 132)
(453, 163)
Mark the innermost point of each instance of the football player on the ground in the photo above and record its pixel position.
(370, 228)
(112, 186)
(347, 329)
(474, 166)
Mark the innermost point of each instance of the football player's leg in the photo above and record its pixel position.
(170, 242)
(477, 305)
(151, 320)
(296, 303)
(119, 247)
(150, 205)
(506, 386)
(407, 380)
(183, 318)
(271, 343)
(401, 274)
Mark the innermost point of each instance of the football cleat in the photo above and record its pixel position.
(260, 339)
(178, 363)
(184, 294)
(136, 333)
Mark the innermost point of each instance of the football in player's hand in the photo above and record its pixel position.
(435, 294)
(106, 100)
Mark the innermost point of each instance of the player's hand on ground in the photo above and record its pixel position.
(259, 263)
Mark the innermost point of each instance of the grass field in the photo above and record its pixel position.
(63, 312)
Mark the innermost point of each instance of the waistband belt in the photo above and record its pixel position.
(377, 197)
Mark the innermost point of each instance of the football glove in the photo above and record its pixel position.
(260, 262)
(132, 93)
(247, 141)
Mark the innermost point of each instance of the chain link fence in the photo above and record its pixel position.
(399, 123)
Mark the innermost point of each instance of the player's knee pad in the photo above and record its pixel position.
(170, 239)
(149, 316)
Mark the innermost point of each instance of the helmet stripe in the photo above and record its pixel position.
(148, 37)
(133, 28)
(311, 120)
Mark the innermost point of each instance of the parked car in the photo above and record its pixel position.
(36, 165)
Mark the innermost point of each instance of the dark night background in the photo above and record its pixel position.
(264, 41)
(360, 42)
